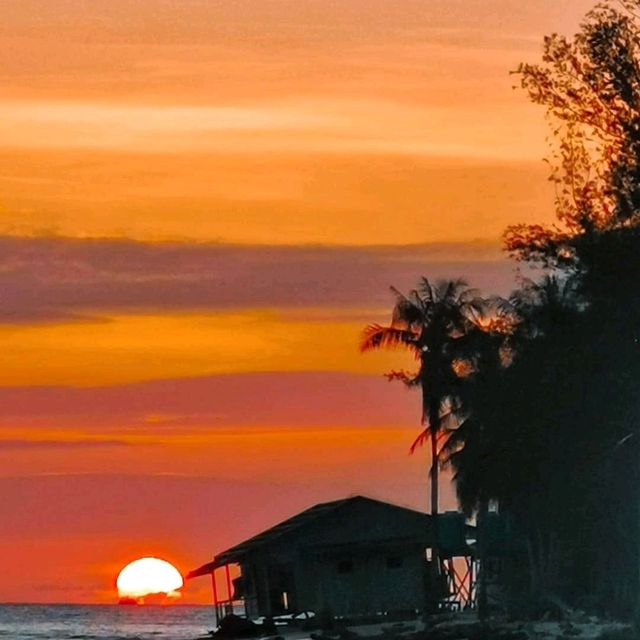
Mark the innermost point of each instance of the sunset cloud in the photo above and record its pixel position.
(64, 279)
(131, 348)
(298, 125)
(164, 128)
(26, 444)
(282, 198)
(188, 405)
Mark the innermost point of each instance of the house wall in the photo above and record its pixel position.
(388, 580)
(255, 587)
(265, 579)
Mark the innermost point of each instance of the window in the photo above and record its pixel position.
(394, 562)
(345, 566)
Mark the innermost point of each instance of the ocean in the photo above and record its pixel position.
(104, 622)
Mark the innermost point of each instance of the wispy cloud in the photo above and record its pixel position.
(270, 198)
(64, 279)
(152, 127)
(351, 126)
(191, 405)
(81, 443)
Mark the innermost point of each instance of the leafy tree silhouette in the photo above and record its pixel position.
(533, 402)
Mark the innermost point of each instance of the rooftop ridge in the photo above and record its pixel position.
(272, 534)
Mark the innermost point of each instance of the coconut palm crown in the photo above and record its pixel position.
(434, 322)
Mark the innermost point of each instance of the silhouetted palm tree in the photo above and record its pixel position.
(432, 322)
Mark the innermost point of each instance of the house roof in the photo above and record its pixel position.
(312, 515)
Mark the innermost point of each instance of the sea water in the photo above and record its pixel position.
(104, 622)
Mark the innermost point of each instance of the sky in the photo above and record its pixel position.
(202, 204)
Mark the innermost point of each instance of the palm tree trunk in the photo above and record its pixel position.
(434, 473)
(433, 406)
(483, 557)
(434, 424)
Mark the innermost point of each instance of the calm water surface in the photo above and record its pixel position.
(75, 622)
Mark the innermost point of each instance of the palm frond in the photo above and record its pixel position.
(456, 439)
(407, 310)
(376, 336)
(422, 438)
(419, 441)
(501, 305)
(426, 291)
(451, 291)
(409, 379)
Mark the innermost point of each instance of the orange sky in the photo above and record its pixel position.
(201, 205)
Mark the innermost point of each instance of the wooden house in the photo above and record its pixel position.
(348, 557)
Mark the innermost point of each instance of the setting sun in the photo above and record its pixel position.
(148, 576)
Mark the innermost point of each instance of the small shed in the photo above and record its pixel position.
(352, 556)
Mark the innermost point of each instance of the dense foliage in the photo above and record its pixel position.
(541, 390)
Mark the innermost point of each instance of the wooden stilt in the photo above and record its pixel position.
(229, 587)
(215, 595)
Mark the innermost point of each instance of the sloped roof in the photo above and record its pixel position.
(312, 515)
